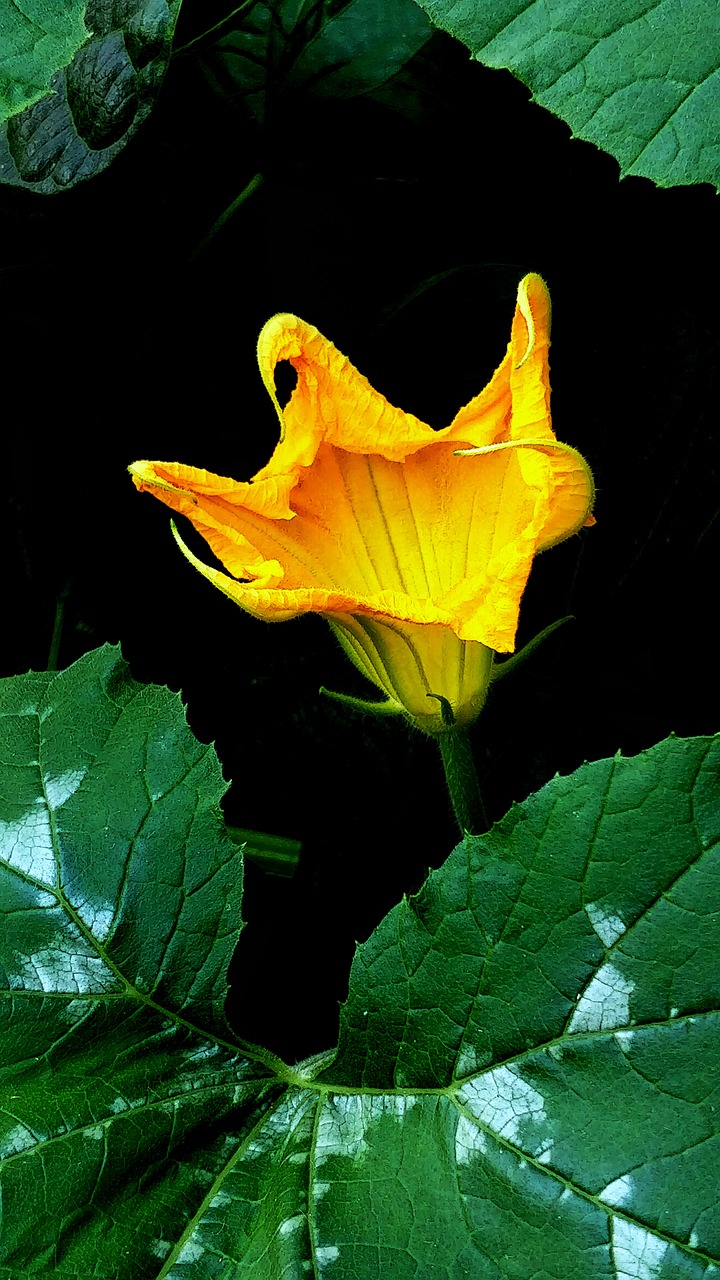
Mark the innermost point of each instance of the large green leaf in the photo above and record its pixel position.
(528, 1079)
(334, 48)
(639, 79)
(553, 992)
(84, 78)
(35, 42)
(121, 1092)
(528, 1082)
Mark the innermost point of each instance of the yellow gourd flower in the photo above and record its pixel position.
(417, 556)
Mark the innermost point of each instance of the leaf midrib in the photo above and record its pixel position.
(41, 1144)
(129, 991)
(215, 1186)
(609, 1210)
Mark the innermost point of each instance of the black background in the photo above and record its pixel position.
(403, 240)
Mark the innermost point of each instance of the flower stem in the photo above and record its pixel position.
(462, 781)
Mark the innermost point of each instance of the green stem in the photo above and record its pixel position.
(277, 855)
(54, 654)
(227, 214)
(462, 781)
(247, 4)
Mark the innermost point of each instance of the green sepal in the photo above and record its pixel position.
(386, 708)
(501, 669)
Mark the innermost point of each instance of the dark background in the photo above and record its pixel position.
(402, 237)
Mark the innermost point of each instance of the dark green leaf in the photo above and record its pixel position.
(557, 981)
(360, 46)
(121, 1092)
(87, 106)
(641, 80)
(522, 931)
(528, 1079)
(338, 48)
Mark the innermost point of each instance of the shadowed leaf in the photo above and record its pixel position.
(96, 89)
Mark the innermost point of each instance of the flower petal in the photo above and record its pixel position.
(517, 397)
(331, 402)
(365, 511)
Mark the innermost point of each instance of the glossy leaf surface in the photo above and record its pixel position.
(528, 1077)
(556, 1118)
(97, 89)
(121, 1092)
(640, 80)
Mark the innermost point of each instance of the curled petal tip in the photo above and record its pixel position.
(145, 476)
(364, 515)
(532, 296)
